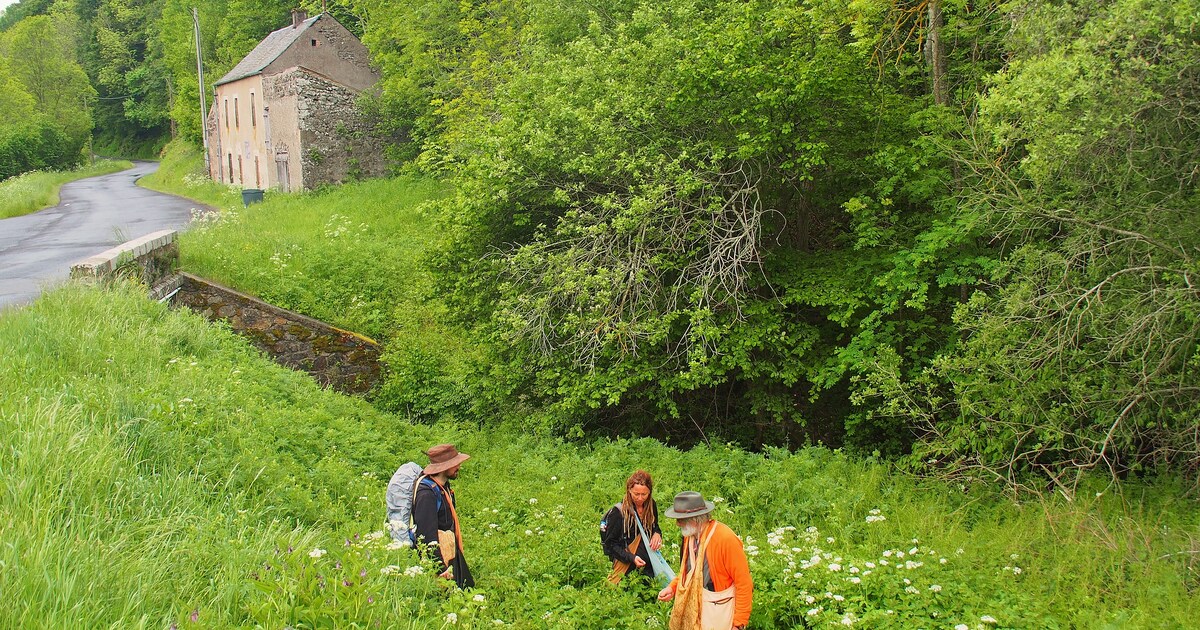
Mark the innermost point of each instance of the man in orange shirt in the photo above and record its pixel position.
(717, 593)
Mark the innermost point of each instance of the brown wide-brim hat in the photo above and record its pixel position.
(443, 457)
(688, 504)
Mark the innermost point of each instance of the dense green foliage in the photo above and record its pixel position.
(938, 229)
(157, 471)
(45, 121)
(821, 221)
(39, 189)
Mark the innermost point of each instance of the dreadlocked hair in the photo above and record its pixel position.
(647, 513)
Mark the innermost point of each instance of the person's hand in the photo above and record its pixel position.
(638, 562)
(667, 594)
(447, 574)
(655, 542)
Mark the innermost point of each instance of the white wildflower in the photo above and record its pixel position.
(316, 553)
(989, 619)
(479, 597)
(936, 588)
(451, 618)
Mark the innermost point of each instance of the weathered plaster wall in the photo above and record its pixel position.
(340, 359)
(242, 133)
(335, 53)
(284, 123)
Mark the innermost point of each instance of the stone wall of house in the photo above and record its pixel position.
(336, 358)
(337, 143)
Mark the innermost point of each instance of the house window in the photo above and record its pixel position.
(227, 115)
(230, 168)
(253, 119)
(315, 43)
(241, 175)
(235, 114)
(257, 179)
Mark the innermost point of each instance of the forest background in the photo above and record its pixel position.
(959, 234)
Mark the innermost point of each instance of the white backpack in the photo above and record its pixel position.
(399, 502)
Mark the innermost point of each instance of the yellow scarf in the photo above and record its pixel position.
(685, 615)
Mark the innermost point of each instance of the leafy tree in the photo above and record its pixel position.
(42, 58)
(665, 225)
(1083, 353)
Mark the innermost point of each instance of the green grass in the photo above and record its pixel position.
(155, 467)
(181, 172)
(351, 256)
(36, 190)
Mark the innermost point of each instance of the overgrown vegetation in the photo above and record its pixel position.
(159, 471)
(351, 256)
(39, 189)
(945, 231)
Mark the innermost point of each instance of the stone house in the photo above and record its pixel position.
(284, 117)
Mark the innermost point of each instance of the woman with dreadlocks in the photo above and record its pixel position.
(630, 526)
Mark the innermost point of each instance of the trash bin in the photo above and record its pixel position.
(251, 195)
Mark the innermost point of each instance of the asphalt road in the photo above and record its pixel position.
(94, 214)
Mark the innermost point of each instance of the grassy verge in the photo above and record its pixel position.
(37, 190)
(181, 172)
(157, 471)
(351, 256)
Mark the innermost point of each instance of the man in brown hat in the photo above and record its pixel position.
(435, 518)
(713, 590)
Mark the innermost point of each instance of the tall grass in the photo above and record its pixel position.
(36, 190)
(352, 256)
(156, 469)
(181, 172)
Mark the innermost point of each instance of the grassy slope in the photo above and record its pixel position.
(154, 465)
(181, 172)
(155, 468)
(37, 190)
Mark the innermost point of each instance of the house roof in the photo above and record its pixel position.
(267, 50)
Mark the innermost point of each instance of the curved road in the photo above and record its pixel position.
(94, 214)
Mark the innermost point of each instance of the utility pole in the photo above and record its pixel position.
(200, 76)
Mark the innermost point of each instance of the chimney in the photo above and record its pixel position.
(298, 17)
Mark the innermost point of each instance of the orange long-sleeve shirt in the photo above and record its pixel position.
(727, 565)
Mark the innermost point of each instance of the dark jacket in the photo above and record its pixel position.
(431, 514)
(616, 539)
